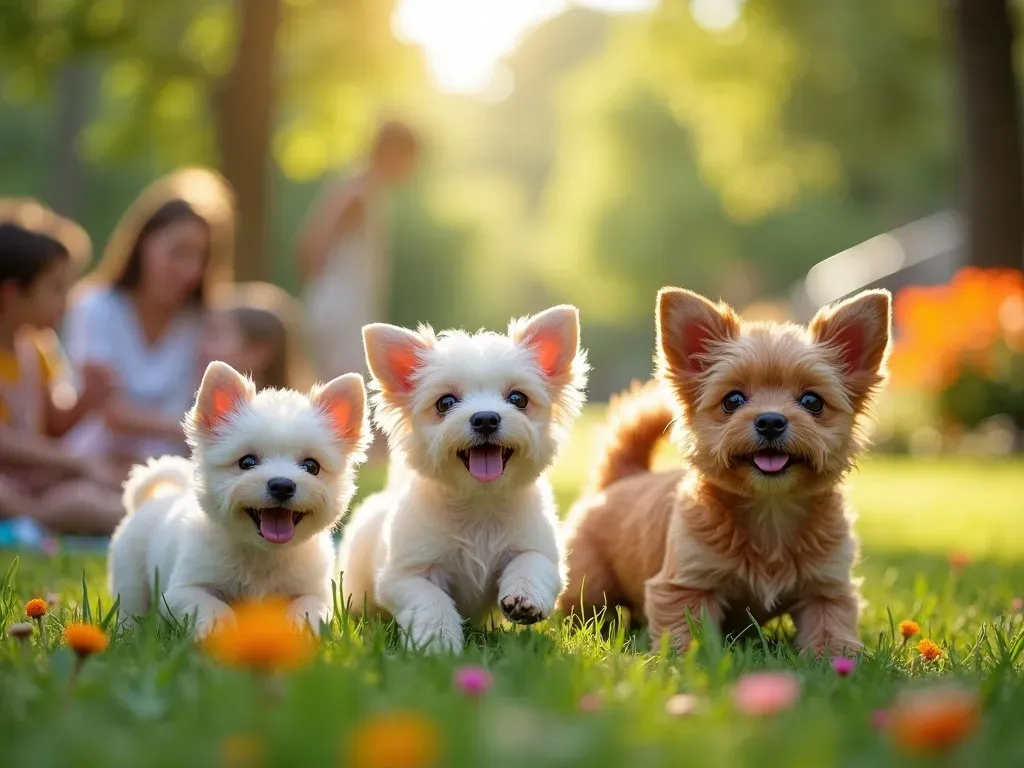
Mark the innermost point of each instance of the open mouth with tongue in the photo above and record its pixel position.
(486, 462)
(276, 524)
(772, 462)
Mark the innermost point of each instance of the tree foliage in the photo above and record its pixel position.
(159, 63)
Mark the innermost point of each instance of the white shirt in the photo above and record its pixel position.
(103, 327)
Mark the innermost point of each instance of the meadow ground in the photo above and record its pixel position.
(943, 546)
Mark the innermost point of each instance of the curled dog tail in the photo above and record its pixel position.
(145, 479)
(637, 421)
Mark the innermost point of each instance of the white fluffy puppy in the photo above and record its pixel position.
(250, 515)
(468, 519)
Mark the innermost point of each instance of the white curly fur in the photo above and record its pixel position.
(438, 546)
(198, 543)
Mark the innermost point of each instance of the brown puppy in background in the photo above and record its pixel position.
(769, 417)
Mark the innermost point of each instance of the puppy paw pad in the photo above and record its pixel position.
(521, 610)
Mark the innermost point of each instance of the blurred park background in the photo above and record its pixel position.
(778, 154)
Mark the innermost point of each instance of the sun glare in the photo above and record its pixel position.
(465, 39)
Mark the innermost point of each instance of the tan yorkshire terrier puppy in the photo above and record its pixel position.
(770, 419)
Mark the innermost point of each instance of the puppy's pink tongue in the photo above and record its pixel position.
(485, 463)
(276, 525)
(771, 462)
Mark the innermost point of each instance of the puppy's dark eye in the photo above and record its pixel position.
(518, 399)
(733, 401)
(445, 403)
(811, 402)
(311, 465)
(248, 461)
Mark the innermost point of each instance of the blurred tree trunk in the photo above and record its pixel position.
(993, 180)
(72, 111)
(245, 105)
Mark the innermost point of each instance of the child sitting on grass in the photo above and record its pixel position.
(252, 329)
(39, 479)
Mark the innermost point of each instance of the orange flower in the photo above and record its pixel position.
(909, 629)
(933, 720)
(929, 651)
(85, 639)
(396, 740)
(959, 560)
(240, 751)
(262, 637)
(35, 608)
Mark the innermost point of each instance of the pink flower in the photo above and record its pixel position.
(473, 681)
(844, 667)
(590, 702)
(1017, 605)
(879, 718)
(766, 693)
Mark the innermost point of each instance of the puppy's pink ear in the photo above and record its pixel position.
(689, 326)
(554, 337)
(343, 403)
(221, 393)
(857, 332)
(394, 355)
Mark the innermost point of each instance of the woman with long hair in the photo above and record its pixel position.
(142, 312)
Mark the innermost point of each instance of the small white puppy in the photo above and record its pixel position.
(250, 515)
(468, 519)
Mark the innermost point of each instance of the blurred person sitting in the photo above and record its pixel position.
(343, 256)
(252, 328)
(142, 312)
(39, 478)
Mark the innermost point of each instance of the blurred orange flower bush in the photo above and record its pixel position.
(963, 343)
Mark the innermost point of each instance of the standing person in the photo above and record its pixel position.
(342, 253)
(141, 313)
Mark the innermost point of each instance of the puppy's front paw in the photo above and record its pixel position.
(436, 634)
(207, 623)
(309, 612)
(521, 609)
(436, 644)
(830, 646)
(528, 588)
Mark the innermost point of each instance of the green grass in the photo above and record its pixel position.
(153, 700)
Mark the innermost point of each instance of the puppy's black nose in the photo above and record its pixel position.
(770, 425)
(485, 422)
(281, 488)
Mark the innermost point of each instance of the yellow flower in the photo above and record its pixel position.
(35, 608)
(933, 720)
(85, 639)
(909, 629)
(396, 740)
(929, 651)
(263, 637)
